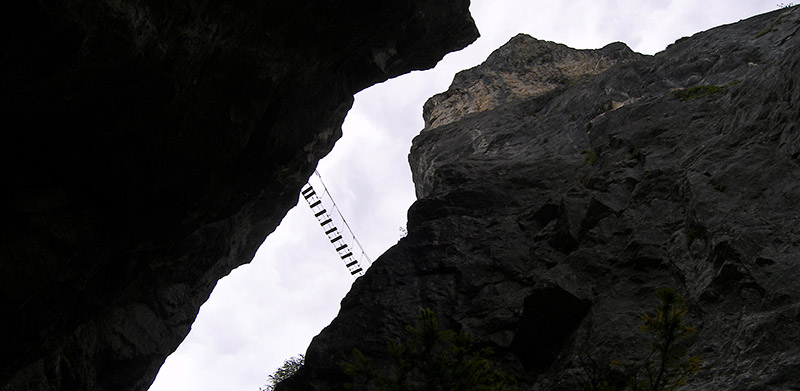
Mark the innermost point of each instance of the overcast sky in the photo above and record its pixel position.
(270, 309)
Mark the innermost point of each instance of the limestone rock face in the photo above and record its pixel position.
(148, 149)
(547, 218)
(522, 68)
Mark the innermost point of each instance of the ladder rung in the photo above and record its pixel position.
(327, 224)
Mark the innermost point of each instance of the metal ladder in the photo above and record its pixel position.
(326, 222)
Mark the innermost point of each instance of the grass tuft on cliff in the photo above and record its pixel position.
(696, 92)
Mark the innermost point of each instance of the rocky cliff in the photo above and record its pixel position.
(559, 188)
(148, 149)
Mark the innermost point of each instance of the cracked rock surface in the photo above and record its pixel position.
(555, 197)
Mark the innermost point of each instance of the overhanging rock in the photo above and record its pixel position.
(149, 147)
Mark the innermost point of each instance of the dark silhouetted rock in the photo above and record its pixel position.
(148, 149)
(551, 206)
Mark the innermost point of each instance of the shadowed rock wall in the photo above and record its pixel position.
(148, 149)
(547, 218)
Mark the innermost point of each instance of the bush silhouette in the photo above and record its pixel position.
(429, 359)
(289, 368)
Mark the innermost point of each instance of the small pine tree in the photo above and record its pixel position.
(430, 359)
(667, 366)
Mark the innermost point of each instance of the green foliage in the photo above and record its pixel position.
(764, 31)
(696, 92)
(695, 231)
(429, 359)
(289, 368)
(591, 156)
(666, 366)
(602, 375)
(770, 28)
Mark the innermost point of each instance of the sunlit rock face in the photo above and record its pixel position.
(149, 147)
(525, 67)
(547, 217)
